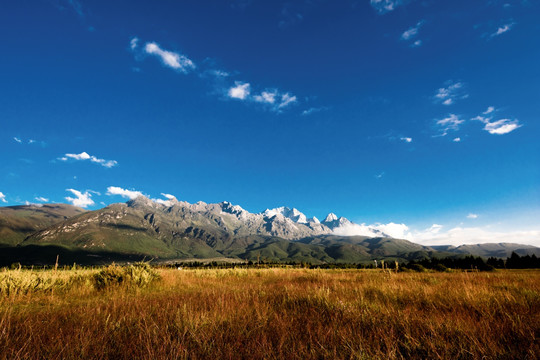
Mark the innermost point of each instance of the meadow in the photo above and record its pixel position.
(273, 313)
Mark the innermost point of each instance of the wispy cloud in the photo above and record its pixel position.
(473, 235)
(85, 156)
(133, 43)
(266, 97)
(489, 110)
(77, 7)
(128, 194)
(81, 199)
(290, 15)
(411, 33)
(171, 200)
(314, 110)
(472, 216)
(406, 139)
(29, 141)
(169, 58)
(384, 6)
(497, 127)
(457, 139)
(451, 122)
(449, 94)
(41, 199)
(216, 73)
(502, 29)
(286, 99)
(274, 99)
(3, 197)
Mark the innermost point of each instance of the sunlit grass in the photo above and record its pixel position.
(275, 313)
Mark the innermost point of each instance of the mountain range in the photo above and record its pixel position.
(175, 230)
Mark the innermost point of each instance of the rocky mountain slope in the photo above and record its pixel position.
(18, 222)
(179, 230)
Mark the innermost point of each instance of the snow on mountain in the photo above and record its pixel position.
(282, 221)
(330, 217)
(292, 214)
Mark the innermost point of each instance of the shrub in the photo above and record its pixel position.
(139, 274)
(440, 268)
(417, 267)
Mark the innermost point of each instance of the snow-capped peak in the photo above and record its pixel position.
(314, 220)
(286, 212)
(330, 217)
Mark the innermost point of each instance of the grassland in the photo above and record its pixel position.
(269, 314)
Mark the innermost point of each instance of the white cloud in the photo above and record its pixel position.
(82, 199)
(103, 162)
(168, 196)
(475, 235)
(457, 139)
(406, 139)
(472, 216)
(82, 156)
(417, 43)
(239, 91)
(502, 29)
(17, 140)
(28, 203)
(171, 200)
(3, 197)
(267, 97)
(271, 98)
(449, 94)
(398, 231)
(42, 199)
(384, 6)
(498, 127)
(85, 156)
(412, 31)
(451, 122)
(171, 59)
(128, 194)
(434, 229)
(133, 43)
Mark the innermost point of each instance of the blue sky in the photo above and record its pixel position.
(422, 114)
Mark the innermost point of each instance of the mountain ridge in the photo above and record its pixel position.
(175, 229)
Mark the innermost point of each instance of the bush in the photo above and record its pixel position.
(440, 268)
(139, 274)
(417, 267)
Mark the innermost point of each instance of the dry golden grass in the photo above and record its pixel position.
(279, 314)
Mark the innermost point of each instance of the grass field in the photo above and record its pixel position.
(269, 314)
